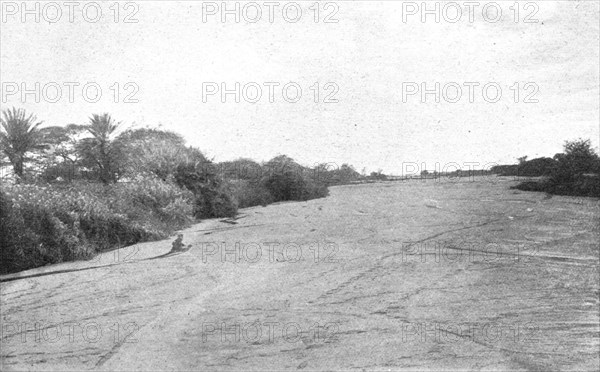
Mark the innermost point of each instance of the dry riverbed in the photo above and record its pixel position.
(387, 276)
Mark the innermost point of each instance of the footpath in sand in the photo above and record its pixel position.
(386, 276)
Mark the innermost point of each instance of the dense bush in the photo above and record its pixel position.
(287, 180)
(241, 169)
(584, 185)
(50, 224)
(575, 172)
(346, 174)
(581, 185)
(211, 196)
(152, 203)
(280, 179)
(537, 167)
(249, 194)
(527, 168)
(155, 151)
(291, 185)
(32, 237)
(377, 176)
(82, 189)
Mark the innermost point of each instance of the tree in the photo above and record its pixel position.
(98, 152)
(156, 151)
(287, 180)
(212, 199)
(579, 158)
(580, 148)
(149, 150)
(60, 159)
(378, 175)
(283, 178)
(347, 174)
(241, 169)
(19, 135)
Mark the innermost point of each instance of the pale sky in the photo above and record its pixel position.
(368, 54)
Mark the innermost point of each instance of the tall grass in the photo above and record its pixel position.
(40, 225)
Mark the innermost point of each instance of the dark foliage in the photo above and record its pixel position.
(212, 198)
(527, 168)
(575, 172)
(280, 179)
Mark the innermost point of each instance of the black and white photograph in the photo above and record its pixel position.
(308, 185)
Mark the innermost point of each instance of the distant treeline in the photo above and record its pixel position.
(532, 168)
(576, 171)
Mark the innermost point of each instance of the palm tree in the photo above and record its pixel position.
(102, 127)
(19, 134)
(98, 150)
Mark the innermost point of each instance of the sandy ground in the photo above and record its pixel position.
(388, 276)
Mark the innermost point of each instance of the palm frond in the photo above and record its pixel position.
(102, 126)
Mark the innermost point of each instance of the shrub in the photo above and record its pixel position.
(155, 151)
(287, 180)
(179, 211)
(211, 196)
(151, 197)
(249, 194)
(43, 224)
(581, 185)
(536, 167)
(346, 174)
(280, 179)
(377, 176)
(241, 169)
(218, 203)
(285, 186)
